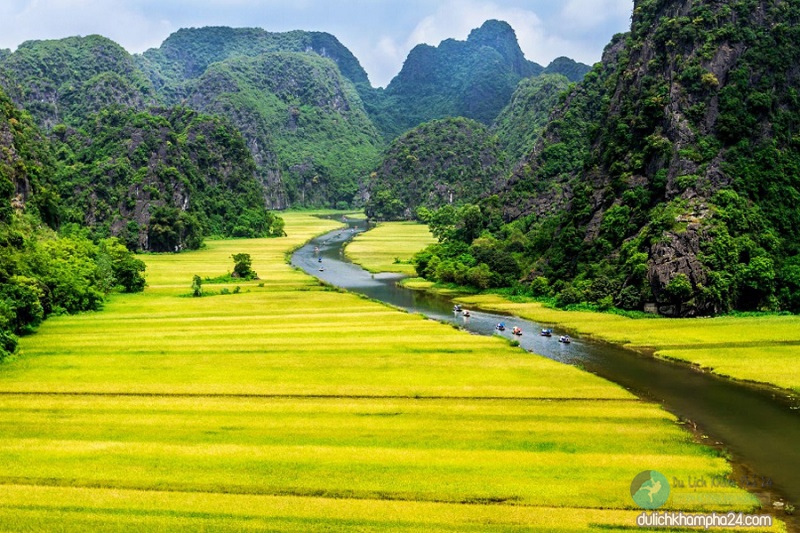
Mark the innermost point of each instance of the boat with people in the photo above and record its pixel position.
(500, 327)
(456, 308)
(546, 333)
(516, 331)
(565, 339)
(466, 314)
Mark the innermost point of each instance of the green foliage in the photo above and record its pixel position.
(44, 274)
(444, 162)
(197, 286)
(126, 269)
(161, 180)
(463, 255)
(519, 125)
(242, 267)
(64, 81)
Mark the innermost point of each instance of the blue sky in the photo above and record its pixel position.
(379, 32)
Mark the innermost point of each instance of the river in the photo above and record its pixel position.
(759, 428)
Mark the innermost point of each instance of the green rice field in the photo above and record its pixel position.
(293, 407)
(389, 246)
(763, 349)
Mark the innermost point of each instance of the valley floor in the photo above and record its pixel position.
(291, 407)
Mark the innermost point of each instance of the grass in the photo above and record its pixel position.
(389, 247)
(763, 349)
(289, 407)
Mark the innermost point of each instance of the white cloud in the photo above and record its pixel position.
(53, 19)
(592, 14)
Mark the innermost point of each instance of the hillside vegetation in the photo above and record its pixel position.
(42, 273)
(160, 180)
(667, 179)
(521, 122)
(440, 163)
(303, 121)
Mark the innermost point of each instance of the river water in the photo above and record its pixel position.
(760, 428)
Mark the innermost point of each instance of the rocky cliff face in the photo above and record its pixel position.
(26, 165)
(679, 149)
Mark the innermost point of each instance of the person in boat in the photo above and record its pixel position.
(319, 260)
(501, 326)
(456, 308)
(467, 314)
(516, 331)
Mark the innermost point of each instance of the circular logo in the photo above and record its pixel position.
(650, 489)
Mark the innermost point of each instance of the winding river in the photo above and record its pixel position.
(759, 428)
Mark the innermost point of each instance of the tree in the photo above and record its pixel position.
(197, 286)
(242, 267)
(126, 268)
(680, 289)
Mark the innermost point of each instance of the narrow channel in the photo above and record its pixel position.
(760, 430)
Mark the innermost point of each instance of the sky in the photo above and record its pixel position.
(379, 32)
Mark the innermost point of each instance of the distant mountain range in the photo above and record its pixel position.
(314, 125)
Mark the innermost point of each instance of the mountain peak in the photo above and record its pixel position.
(493, 30)
(499, 35)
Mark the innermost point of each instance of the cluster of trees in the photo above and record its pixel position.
(44, 273)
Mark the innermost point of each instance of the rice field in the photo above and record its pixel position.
(292, 407)
(763, 349)
(389, 247)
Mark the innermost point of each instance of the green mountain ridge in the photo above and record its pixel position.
(64, 80)
(186, 54)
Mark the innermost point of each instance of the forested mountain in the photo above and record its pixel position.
(42, 273)
(294, 96)
(671, 175)
(522, 121)
(160, 180)
(186, 54)
(66, 80)
(304, 123)
(442, 162)
(474, 78)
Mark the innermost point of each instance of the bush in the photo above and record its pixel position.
(197, 286)
(242, 267)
